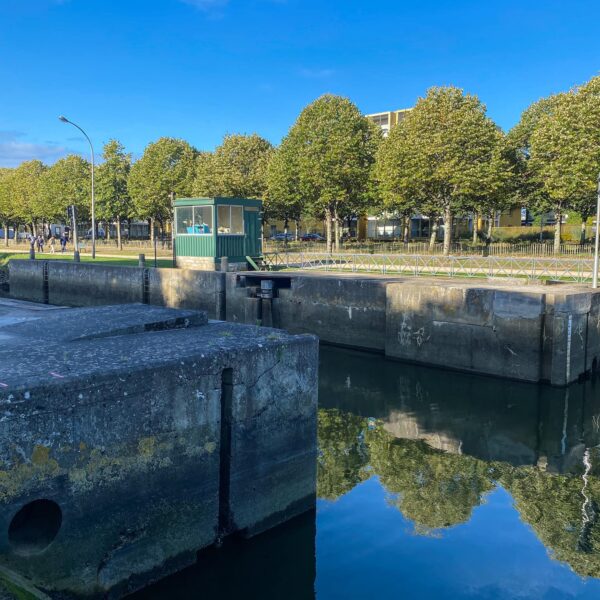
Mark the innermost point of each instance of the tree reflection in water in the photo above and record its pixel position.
(440, 442)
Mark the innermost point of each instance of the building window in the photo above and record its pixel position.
(194, 220)
(230, 220)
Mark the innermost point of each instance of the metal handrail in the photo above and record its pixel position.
(566, 269)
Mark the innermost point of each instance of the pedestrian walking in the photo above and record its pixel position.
(40, 243)
(63, 242)
(51, 243)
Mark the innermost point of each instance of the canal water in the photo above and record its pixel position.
(431, 484)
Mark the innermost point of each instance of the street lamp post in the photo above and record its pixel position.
(65, 120)
(595, 277)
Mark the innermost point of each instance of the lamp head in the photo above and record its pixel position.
(63, 119)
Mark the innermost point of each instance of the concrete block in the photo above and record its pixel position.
(27, 279)
(84, 284)
(185, 288)
(141, 435)
(480, 330)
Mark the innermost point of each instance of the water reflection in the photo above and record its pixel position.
(431, 484)
(440, 442)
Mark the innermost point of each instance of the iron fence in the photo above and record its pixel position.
(541, 249)
(564, 269)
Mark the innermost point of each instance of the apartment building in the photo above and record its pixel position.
(389, 119)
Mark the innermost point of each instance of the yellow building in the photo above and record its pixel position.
(389, 119)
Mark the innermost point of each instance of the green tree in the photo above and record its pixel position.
(529, 188)
(113, 201)
(327, 158)
(283, 199)
(26, 191)
(442, 150)
(167, 167)
(237, 168)
(67, 182)
(6, 203)
(565, 153)
(391, 161)
(498, 190)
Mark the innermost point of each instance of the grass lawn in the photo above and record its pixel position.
(116, 260)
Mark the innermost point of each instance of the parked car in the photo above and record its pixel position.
(282, 237)
(312, 237)
(101, 234)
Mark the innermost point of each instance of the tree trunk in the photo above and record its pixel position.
(433, 223)
(151, 229)
(447, 231)
(328, 227)
(406, 232)
(286, 226)
(475, 222)
(336, 224)
(5, 233)
(582, 236)
(490, 227)
(107, 226)
(557, 232)
(119, 239)
(33, 228)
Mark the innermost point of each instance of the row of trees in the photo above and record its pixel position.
(445, 159)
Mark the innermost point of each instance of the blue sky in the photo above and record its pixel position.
(197, 69)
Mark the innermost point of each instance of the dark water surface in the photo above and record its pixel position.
(431, 484)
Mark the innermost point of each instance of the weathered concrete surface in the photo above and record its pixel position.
(119, 416)
(84, 284)
(345, 311)
(179, 288)
(530, 332)
(490, 331)
(27, 279)
(533, 333)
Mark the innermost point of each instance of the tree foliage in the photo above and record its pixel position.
(67, 182)
(26, 192)
(564, 152)
(326, 160)
(112, 196)
(236, 169)
(167, 166)
(444, 157)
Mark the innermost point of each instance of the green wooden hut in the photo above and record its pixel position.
(207, 229)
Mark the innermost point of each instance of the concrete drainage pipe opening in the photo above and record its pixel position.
(35, 527)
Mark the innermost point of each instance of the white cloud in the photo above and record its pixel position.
(14, 150)
(316, 73)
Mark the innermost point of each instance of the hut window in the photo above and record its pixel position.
(194, 220)
(230, 220)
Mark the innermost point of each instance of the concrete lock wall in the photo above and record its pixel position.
(496, 332)
(28, 280)
(187, 288)
(177, 434)
(526, 332)
(84, 284)
(348, 312)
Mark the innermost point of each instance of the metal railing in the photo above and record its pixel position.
(563, 269)
(541, 249)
